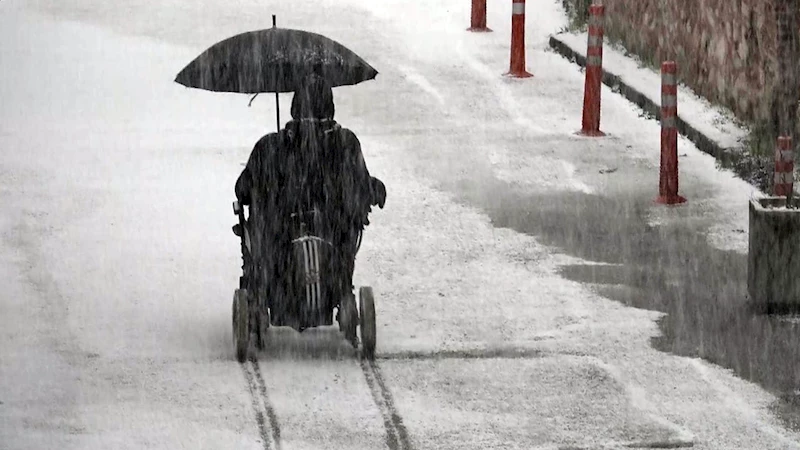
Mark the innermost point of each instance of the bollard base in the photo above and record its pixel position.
(518, 74)
(479, 29)
(590, 133)
(670, 200)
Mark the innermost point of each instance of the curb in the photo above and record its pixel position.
(730, 158)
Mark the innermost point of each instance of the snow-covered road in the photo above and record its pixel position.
(119, 265)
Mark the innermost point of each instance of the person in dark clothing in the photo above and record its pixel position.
(312, 163)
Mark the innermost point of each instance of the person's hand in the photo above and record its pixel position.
(378, 192)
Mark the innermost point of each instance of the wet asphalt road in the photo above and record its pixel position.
(667, 268)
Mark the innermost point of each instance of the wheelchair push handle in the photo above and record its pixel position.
(238, 229)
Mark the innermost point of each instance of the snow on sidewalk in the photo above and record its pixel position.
(710, 123)
(713, 121)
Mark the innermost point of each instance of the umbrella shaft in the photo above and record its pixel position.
(278, 112)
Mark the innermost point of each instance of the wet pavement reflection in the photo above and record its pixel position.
(667, 268)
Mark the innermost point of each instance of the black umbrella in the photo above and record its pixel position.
(273, 60)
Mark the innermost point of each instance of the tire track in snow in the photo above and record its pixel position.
(273, 417)
(267, 420)
(489, 353)
(396, 433)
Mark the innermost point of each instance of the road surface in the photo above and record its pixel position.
(120, 265)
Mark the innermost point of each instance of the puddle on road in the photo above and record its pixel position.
(668, 268)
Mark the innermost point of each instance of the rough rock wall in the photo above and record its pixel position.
(726, 50)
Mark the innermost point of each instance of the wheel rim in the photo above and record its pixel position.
(348, 318)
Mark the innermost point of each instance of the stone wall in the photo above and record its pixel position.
(726, 50)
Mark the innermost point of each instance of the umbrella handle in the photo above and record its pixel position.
(277, 100)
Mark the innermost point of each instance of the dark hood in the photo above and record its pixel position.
(313, 99)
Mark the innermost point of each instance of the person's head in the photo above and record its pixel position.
(313, 99)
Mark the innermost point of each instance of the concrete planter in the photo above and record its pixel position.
(773, 266)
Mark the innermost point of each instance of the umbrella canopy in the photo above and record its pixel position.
(273, 60)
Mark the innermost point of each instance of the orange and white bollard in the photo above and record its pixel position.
(784, 168)
(478, 20)
(668, 176)
(517, 69)
(590, 124)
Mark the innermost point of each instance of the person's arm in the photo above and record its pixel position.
(246, 181)
(371, 189)
(359, 179)
(243, 185)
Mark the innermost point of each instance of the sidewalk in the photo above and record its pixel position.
(710, 128)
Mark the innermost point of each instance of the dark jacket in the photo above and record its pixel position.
(312, 160)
